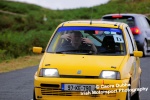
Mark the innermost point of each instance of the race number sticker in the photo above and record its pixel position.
(118, 39)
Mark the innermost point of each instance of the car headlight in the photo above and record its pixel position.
(110, 75)
(45, 72)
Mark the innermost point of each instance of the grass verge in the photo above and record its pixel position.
(19, 63)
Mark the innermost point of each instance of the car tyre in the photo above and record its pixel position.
(128, 96)
(145, 49)
(34, 98)
(136, 96)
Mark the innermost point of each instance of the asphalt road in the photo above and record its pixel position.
(18, 85)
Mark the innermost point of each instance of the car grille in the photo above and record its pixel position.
(58, 92)
(78, 76)
(54, 89)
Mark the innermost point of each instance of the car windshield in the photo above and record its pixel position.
(87, 41)
(125, 19)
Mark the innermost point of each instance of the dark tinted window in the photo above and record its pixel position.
(125, 19)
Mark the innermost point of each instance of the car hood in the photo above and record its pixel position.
(89, 65)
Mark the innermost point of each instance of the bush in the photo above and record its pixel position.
(19, 44)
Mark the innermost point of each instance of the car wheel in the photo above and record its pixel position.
(136, 96)
(128, 96)
(34, 98)
(145, 48)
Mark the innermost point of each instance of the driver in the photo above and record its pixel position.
(78, 42)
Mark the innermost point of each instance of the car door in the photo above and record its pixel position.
(148, 32)
(145, 24)
(134, 60)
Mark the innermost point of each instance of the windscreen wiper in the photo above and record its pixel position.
(89, 52)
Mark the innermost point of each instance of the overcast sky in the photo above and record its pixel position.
(64, 4)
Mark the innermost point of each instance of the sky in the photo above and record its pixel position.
(64, 4)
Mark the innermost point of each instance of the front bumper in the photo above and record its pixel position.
(50, 88)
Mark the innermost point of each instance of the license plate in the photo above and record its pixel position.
(77, 87)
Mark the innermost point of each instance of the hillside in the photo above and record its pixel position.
(23, 26)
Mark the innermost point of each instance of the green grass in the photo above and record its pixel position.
(22, 25)
(19, 63)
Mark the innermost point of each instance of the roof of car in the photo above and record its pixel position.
(91, 23)
(124, 14)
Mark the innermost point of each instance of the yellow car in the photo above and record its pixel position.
(89, 60)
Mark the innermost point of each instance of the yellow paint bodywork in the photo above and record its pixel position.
(138, 53)
(91, 65)
(37, 49)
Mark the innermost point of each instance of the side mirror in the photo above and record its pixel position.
(138, 53)
(37, 49)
